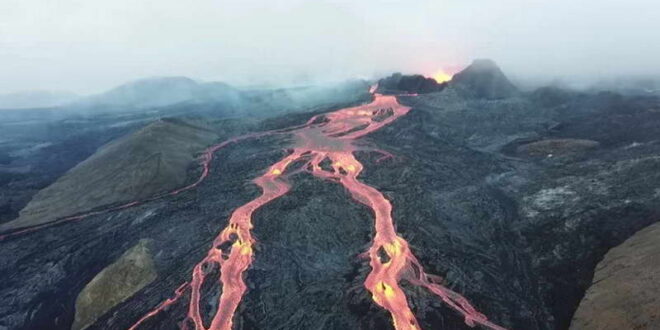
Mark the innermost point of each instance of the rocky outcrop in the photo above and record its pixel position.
(625, 293)
(114, 284)
(151, 160)
(483, 79)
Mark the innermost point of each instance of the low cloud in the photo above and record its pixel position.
(90, 46)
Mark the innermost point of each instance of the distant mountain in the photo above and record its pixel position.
(483, 79)
(36, 99)
(163, 91)
(169, 96)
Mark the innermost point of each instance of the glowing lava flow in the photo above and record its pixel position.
(327, 139)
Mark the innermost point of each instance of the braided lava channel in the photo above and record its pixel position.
(326, 139)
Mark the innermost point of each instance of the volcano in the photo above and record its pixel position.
(412, 204)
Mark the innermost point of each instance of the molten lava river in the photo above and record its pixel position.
(325, 140)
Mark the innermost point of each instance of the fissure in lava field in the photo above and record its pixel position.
(325, 140)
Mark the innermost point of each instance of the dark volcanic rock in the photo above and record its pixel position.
(556, 147)
(564, 213)
(415, 84)
(309, 274)
(484, 79)
(552, 96)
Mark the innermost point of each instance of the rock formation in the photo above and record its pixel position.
(625, 293)
(123, 278)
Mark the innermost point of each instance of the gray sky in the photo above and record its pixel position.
(87, 46)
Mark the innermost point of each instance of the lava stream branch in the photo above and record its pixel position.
(390, 257)
(178, 293)
(232, 251)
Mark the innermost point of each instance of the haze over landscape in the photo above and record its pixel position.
(389, 165)
(90, 46)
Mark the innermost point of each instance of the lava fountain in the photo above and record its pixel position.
(325, 139)
(442, 76)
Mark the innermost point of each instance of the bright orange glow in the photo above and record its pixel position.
(393, 249)
(245, 250)
(442, 76)
(391, 259)
(386, 290)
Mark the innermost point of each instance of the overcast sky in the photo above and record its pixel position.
(87, 46)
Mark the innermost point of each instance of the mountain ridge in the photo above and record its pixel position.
(36, 99)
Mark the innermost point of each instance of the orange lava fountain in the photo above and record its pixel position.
(326, 138)
(442, 76)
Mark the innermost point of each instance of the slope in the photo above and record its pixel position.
(153, 159)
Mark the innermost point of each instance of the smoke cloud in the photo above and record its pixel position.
(89, 46)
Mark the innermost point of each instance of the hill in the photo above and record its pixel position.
(163, 91)
(153, 159)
